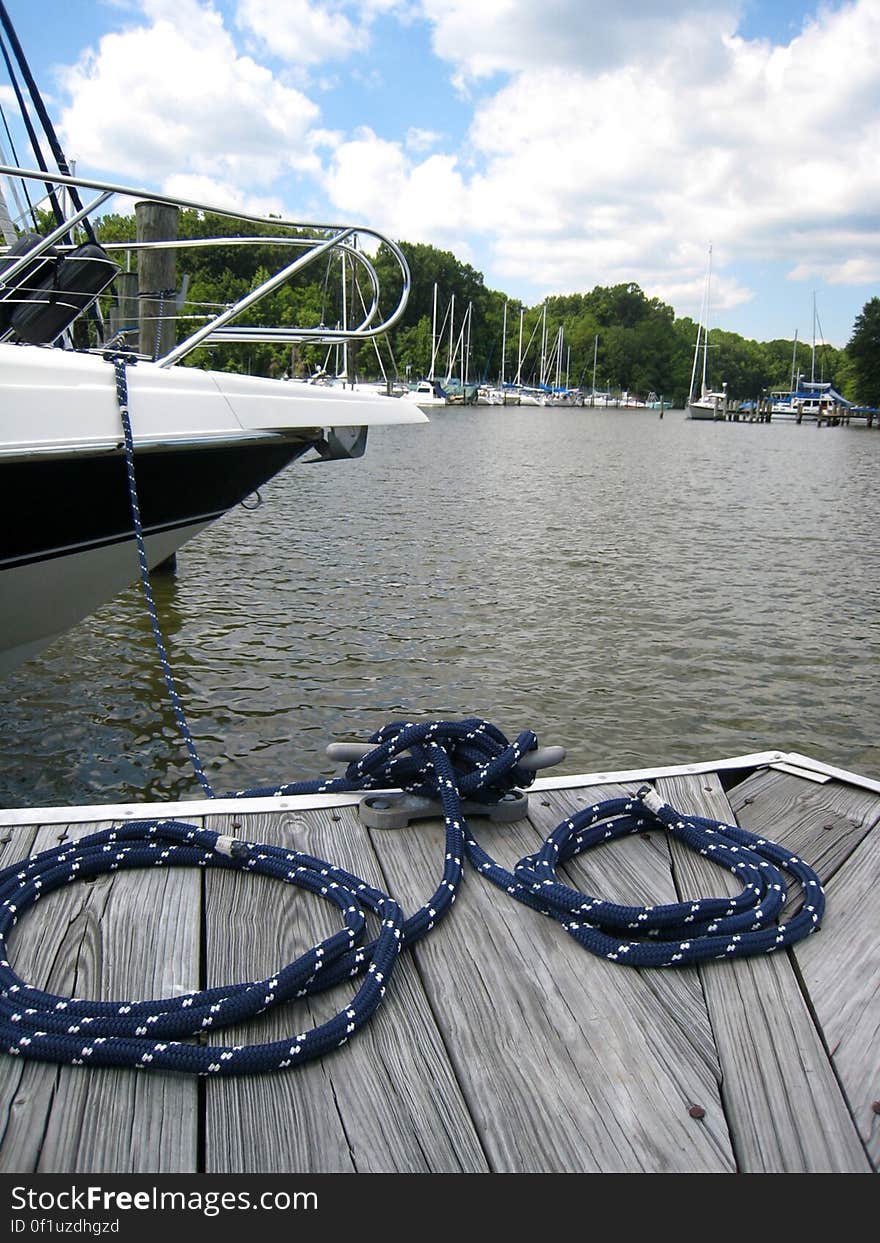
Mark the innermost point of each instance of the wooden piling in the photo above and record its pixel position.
(124, 315)
(157, 277)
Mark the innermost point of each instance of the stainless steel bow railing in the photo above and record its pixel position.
(316, 242)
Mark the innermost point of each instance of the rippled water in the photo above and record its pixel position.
(642, 590)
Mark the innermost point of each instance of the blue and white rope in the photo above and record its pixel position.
(120, 364)
(446, 759)
(671, 934)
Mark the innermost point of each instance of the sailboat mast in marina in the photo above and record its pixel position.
(709, 405)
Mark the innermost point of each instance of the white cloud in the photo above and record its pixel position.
(302, 32)
(225, 194)
(176, 96)
(373, 179)
(592, 36)
(623, 142)
(607, 142)
(861, 269)
(421, 139)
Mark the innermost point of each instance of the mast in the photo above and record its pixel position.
(706, 330)
(503, 345)
(433, 333)
(343, 375)
(596, 355)
(544, 344)
(793, 384)
(522, 311)
(702, 331)
(813, 355)
(450, 359)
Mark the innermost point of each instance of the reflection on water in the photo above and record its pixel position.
(643, 591)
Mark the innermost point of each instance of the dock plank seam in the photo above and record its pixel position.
(614, 1108)
(820, 1032)
(428, 994)
(757, 989)
(145, 1126)
(370, 1108)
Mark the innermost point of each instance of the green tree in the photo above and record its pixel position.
(863, 350)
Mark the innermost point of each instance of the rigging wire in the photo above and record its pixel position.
(45, 121)
(32, 135)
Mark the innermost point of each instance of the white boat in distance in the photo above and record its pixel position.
(709, 404)
(202, 440)
(807, 401)
(428, 394)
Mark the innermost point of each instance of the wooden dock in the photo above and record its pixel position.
(502, 1046)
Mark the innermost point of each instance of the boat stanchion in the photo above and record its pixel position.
(395, 809)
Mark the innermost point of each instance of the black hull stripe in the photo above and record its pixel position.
(73, 550)
(53, 508)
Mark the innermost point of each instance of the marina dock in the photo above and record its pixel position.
(502, 1045)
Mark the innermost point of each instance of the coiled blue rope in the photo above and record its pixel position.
(448, 760)
(445, 760)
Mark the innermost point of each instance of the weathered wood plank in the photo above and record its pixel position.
(840, 968)
(638, 870)
(784, 1105)
(388, 1101)
(134, 934)
(824, 822)
(567, 1063)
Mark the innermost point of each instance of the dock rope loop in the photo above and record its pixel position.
(448, 760)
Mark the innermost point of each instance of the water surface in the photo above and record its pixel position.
(642, 590)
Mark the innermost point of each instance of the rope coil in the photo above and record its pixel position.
(446, 758)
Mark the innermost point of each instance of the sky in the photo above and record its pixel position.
(554, 145)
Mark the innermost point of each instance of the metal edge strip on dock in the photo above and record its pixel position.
(12, 817)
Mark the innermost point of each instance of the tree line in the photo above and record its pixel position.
(614, 336)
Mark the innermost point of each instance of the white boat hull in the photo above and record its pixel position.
(44, 599)
(58, 399)
(713, 410)
(203, 441)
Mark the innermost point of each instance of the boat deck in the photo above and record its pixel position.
(502, 1045)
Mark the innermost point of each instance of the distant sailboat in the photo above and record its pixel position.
(429, 393)
(710, 404)
(807, 399)
(501, 393)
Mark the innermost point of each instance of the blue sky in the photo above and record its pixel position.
(553, 144)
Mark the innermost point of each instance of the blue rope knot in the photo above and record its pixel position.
(478, 758)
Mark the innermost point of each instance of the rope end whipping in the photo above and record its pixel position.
(231, 847)
(651, 799)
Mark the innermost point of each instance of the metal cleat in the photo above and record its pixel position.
(397, 809)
